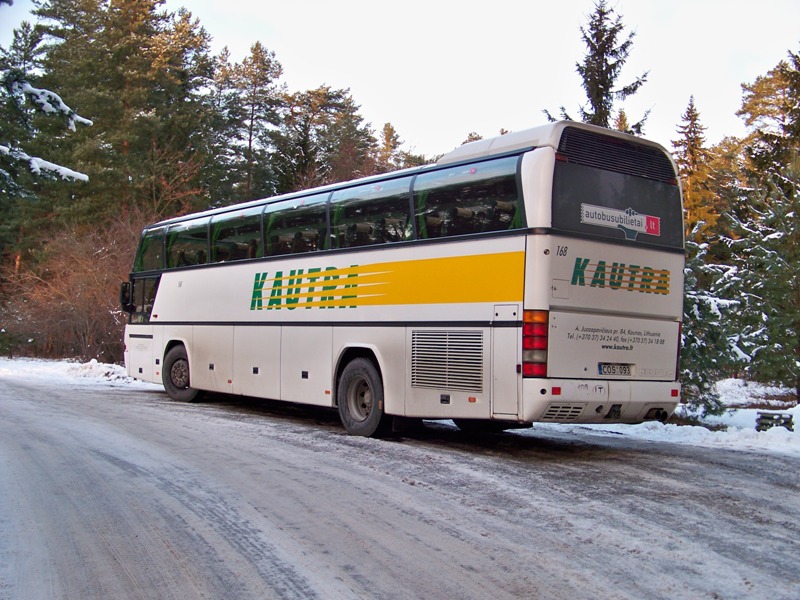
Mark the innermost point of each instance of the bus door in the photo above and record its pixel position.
(505, 349)
(140, 347)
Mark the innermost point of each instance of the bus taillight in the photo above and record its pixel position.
(535, 324)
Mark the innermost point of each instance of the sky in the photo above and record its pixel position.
(439, 70)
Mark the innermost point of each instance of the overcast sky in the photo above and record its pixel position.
(440, 69)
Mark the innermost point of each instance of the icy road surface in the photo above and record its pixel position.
(121, 493)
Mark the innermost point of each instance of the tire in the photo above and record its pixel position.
(175, 376)
(359, 395)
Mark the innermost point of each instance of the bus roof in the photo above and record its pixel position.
(535, 137)
(516, 141)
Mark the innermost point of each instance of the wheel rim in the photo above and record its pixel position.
(179, 373)
(359, 400)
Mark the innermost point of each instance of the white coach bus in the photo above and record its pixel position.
(536, 276)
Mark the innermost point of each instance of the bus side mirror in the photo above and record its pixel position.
(125, 296)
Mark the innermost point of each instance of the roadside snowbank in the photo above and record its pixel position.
(69, 372)
(739, 423)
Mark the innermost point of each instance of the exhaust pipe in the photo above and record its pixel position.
(657, 414)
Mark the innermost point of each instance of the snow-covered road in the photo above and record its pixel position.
(111, 490)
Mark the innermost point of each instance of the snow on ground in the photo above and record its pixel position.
(737, 424)
(69, 372)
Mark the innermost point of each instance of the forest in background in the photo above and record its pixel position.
(175, 129)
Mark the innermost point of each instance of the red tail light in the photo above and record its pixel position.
(535, 324)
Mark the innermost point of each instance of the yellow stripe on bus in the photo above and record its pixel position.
(477, 278)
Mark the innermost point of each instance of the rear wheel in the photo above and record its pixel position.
(175, 376)
(360, 398)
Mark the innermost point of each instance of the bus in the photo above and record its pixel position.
(532, 277)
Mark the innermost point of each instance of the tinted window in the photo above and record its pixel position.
(376, 213)
(236, 235)
(616, 205)
(468, 199)
(296, 226)
(187, 243)
(149, 256)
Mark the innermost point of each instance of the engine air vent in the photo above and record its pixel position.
(447, 360)
(562, 413)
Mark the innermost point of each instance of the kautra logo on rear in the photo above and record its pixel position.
(620, 276)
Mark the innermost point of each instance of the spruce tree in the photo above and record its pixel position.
(32, 119)
(692, 157)
(767, 254)
(711, 346)
(606, 55)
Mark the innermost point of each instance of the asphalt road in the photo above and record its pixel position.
(121, 493)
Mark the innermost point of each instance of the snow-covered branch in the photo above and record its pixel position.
(37, 165)
(48, 102)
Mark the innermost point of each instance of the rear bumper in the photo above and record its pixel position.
(598, 401)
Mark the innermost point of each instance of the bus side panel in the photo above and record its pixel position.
(306, 360)
(256, 361)
(211, 359)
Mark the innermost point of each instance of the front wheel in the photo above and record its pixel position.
(360, 398)
(175, 376)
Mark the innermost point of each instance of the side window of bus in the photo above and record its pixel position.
(296, 226)
(149, 256)
(375, 213)
(236, 235)
(187, 244)
(473, 198)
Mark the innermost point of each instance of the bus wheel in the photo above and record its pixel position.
(360, 399)
(175, 376)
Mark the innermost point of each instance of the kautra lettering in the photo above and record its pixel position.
(620, 276)
(314, 288)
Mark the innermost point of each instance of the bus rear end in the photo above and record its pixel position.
(604, 281)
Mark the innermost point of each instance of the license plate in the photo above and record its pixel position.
(615, 369)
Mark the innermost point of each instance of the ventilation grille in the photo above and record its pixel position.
(613, 154)
(563, 412)
(450, 360)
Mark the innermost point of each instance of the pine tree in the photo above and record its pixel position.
(693, 160)
(602, 67)
(260, 98)
(321, 139)
(389, 157)
(771, 108)
(472, 136)
(140, 72)
(222, 177)
(621, 122)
